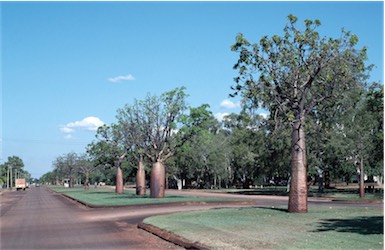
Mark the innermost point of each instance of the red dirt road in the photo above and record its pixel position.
(38, 219)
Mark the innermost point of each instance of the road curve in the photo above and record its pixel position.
(39, 219)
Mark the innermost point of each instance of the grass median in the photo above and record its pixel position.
(323, 227)
(108, 197)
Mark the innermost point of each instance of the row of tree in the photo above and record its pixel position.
(312, 86)
(244, 149)
(13, 169)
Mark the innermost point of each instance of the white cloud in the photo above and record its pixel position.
(90, 123)
(121, 78)
(229, 104)
(220, 116)
(68, 137)
(66, 130)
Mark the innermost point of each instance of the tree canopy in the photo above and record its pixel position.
(291, 75)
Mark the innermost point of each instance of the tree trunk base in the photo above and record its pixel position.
(140, 182)
(119, 181)
(158, 175)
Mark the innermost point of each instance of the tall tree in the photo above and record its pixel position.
(86, 166)
(248, 147)
(162, 115)
(292, 75)
(12, 168)
(110, 151)
(132, 122)
(364, 132)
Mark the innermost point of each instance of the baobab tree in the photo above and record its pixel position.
(131, 120)
(86, 166)
(159, 119)
(291, 75)
(110, 151)
(67, 165)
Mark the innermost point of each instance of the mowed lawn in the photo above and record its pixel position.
(108, 197)
(323, 227)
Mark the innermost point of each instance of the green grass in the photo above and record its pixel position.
(108, 197)
(338, 194)
(354, 196)
(274, 228)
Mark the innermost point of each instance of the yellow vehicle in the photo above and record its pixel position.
(20, 184)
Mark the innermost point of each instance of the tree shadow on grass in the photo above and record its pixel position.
(281, 209)
(360, 225)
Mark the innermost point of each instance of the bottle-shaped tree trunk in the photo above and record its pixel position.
(119, 180)
(157, 180)
(71, 184)
(298, 181)
(87, 184)
(140, 178)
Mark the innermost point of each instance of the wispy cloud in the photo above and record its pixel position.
(90, 123)
(121, 78)
(229, 104)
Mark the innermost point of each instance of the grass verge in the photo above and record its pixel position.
(107, 197)
(274, 228)
(337, 194)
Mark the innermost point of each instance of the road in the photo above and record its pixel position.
(40, 219)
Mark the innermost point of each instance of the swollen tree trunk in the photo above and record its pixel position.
(158, 175)
(87, 184)
(298, 181)
(119, 175)
(119, 180)
(362, 181)
(140, 178)
(71, 184)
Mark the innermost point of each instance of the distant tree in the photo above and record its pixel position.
(12, 169)
(109, 151)
(49, 177)
(375, 106)
(203, 157)
(67, 164)
(86, 166)
(293, 74)
(132, 123)
(248, 147)
(364, 134)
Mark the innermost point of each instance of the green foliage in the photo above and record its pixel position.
(203, 159)
(279, 71)
(16, 165)
(298, 76)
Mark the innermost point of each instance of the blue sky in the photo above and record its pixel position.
(68, 66)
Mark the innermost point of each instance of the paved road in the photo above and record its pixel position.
(39, 219)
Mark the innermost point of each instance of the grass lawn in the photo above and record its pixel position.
(323, 227)
(108, 197)
(335, 194)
